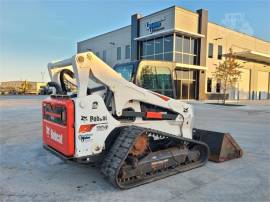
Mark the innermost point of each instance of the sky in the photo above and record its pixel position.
(35, 32)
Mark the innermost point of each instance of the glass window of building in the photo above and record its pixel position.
(186, 50)
(118, 53)
(179, 57)
(218, 86)
(157, 49)
(143, 48)
(157, 79)
(178, 43)
(186, 59)
(168, 43)
(210, 50)
(97, 54)
(186, 47)
(104, 55)
(209, 85)
(150, 47)
(159, 45)
(159, 57)
(186, 83)
(127, 52)
(192, 84)
(168, 56)
(194, 46)
(194, 60)
(182, 74)
(149, 57)
(219, 52)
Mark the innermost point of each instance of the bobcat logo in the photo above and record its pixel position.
(83, 118)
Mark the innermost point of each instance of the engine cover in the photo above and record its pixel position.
(58, 125)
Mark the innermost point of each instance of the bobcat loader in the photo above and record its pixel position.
(138, 136)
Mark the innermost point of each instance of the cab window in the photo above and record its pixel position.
(157, 79)
(125, 70)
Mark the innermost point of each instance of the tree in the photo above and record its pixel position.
(25, 86)
(228, 72)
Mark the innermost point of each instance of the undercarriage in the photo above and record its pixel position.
(141, 155)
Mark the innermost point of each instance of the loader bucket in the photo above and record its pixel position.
(222, 145)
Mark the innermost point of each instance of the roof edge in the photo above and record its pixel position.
(258, 38)
(104, 34)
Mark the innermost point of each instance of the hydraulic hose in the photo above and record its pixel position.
(56, 86)
(62, 73)
(71, 74)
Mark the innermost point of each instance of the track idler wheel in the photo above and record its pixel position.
(140, 146)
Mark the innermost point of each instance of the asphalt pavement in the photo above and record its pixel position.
(30, 173)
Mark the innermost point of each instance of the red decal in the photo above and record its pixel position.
(86, 128)
(163, 97)
(154, 115)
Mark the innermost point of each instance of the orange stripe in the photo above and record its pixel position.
(86, 128)
(163, 97)
(154, 115)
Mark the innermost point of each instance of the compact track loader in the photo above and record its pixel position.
(138, 136)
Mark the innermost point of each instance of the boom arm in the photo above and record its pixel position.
(88, 68)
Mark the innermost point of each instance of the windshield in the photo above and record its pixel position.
(125, 70)
(157, 79)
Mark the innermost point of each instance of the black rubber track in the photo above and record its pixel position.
(119, 151)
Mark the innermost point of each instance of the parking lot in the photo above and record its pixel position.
(28, 172)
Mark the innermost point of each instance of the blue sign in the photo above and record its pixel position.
(154, 26)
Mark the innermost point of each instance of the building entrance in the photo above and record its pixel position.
(186, 83)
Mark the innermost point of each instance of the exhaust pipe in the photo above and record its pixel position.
(222, 146)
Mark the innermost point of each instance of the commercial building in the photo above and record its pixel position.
(17, 87)
(195, 45)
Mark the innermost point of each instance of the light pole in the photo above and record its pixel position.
(42, 75)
